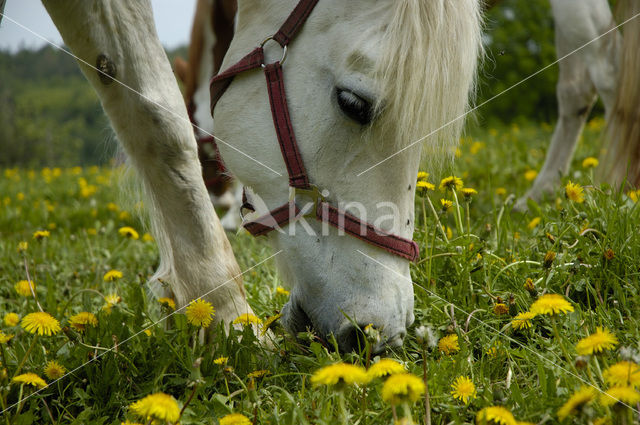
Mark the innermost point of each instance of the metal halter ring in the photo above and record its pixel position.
(284, 49)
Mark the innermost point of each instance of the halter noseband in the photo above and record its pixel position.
(298, 179)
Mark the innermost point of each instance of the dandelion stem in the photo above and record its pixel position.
(4, 407)
(26, 355)
(427, 402)
(193, 393)
(31, 285)
(46, 406)
(439, 225)
(458, 214)
(20, 400)
(341, 407)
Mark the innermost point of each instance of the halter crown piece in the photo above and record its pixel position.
(299, 183)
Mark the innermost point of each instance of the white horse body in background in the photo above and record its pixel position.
(410, 63)
(596, 64)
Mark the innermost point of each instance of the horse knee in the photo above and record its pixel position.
(160, 137)
(575, 99)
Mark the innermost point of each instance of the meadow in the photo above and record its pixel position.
(520, 318)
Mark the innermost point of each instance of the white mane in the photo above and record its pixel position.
(427, 71)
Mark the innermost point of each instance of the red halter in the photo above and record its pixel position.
(298, 178)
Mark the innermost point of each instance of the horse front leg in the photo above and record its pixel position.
(139, 93)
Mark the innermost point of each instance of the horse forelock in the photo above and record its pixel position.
(426, 72)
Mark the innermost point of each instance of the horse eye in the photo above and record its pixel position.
(355, 107)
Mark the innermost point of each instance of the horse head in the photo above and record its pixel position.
(364, 82)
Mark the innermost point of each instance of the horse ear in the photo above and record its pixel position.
(181, 68)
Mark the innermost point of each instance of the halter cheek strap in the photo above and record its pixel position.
(299, 183)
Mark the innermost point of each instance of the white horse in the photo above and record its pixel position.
(597, 69)
(363, 78)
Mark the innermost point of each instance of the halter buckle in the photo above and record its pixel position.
(284, 49)
(312, 193)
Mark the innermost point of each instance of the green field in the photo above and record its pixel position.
(487, 266)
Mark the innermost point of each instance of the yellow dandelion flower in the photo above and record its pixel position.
(547, 261)
(463, 389)
(169, 302)
(402, 388)
(221, 360)
(147, 332)
(530, 175)
(235, 419)
(147, 237)
(626, 395)
(451, 183)
(449, 344)
(501, 191)
(500, 309)
(551, 304)
(29, 379)
(574, 192)
(534, 223)
(622, 374)
(269, 323)
(529, 285)
(24, 287)
(634, 195)
(422, 175)
(605, 420)
(110, 301)
(159, 406)
(385, 367)
(247, 319)
(446, 204)
(40, 323)
(590, 162)
(495, 415)
(128, 232)
(11, 319)
(83, 319)
(469, 192)
(339, 373)
(41, 234)
(523, 320)
(281, 291)
(609, 254)
(425, 185)
(112, 276)
(258, 374)
(597, 342)
(23, 246)
(4, 338)
(578, 399)
(54, 370)
(200, 313)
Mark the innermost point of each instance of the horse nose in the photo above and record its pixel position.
(352, 338)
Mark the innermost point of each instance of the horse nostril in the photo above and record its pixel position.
(351, 338)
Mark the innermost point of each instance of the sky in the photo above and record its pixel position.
(173, 22)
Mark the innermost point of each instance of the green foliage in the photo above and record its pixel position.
(519, 41)
(49, 115)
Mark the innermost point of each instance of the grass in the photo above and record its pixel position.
(470, 282)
